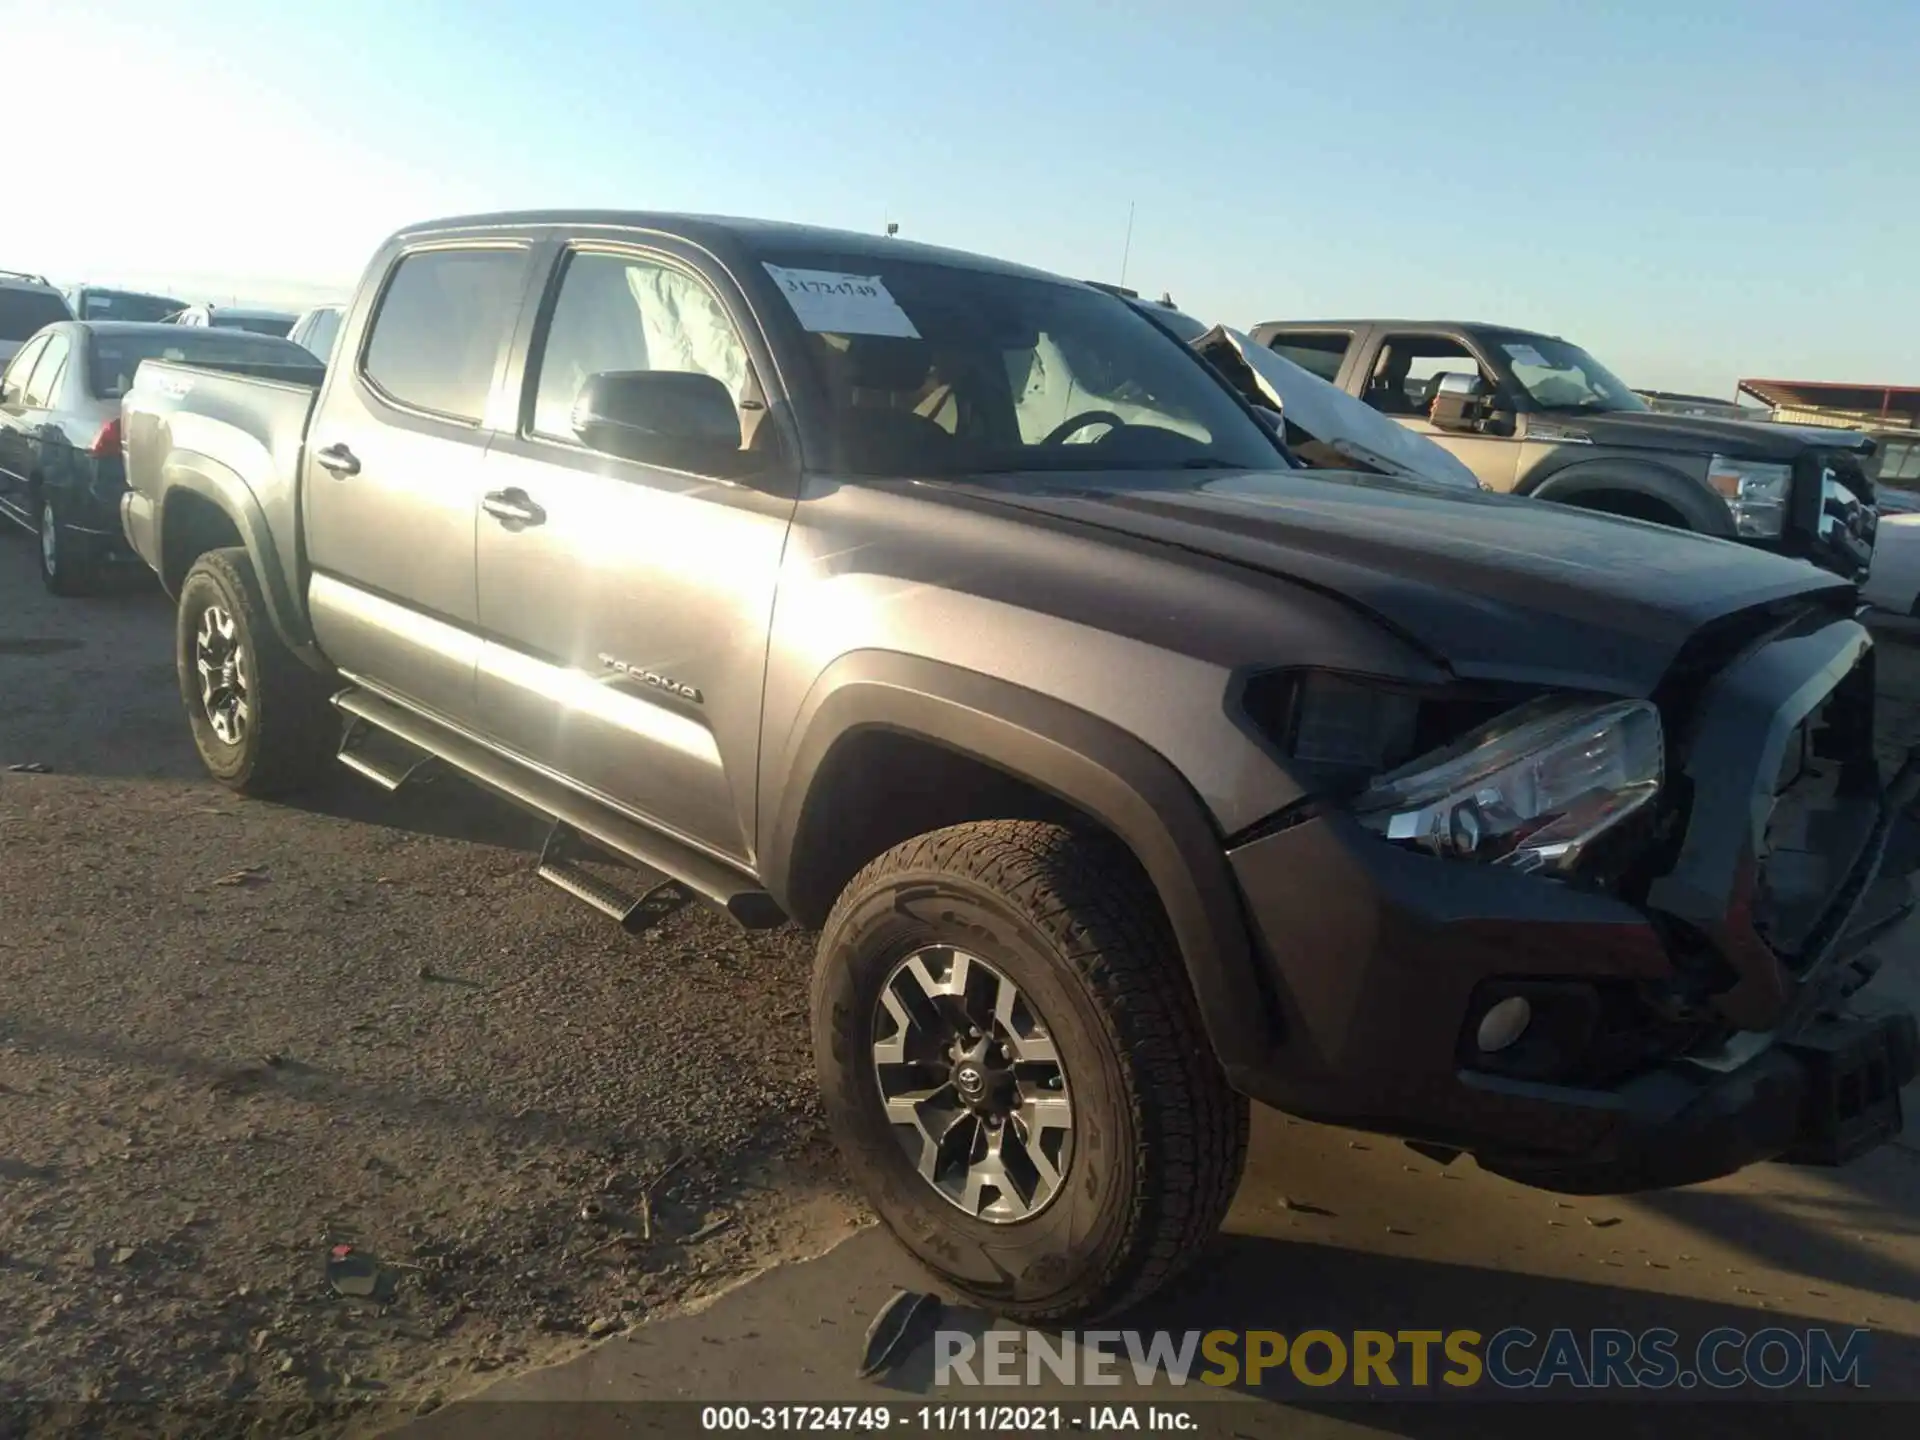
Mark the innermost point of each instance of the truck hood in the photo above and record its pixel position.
(1330, 415)
(1492, 586)
(1741, 439)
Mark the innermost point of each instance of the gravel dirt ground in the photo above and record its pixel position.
(235, 1036)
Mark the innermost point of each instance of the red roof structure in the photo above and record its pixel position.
(1870, 407)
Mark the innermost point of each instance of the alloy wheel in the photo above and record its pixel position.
(973, 1085)
(220, 659)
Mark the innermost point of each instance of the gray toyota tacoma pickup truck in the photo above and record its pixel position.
(1536, 415)
(962, 613)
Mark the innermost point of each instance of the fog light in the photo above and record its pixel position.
(1504, 1023)
(1464, 828)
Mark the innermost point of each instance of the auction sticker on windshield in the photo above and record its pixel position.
(826, 301)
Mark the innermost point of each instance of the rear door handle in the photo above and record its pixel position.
(337, 460)
(512, 507)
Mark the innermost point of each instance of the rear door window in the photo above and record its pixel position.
(1319, 353)
(14, 379)
(442, 322)
(46, 374)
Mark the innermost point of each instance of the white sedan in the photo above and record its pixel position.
(1894, 582)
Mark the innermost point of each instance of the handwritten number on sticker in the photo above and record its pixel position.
(834, 302)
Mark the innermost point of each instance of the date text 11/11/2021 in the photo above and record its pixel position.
(949, 1419)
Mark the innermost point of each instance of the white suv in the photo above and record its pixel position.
(27, 302)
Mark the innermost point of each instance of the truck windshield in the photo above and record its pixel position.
(113, 358)
(932, 369)
(1562, 377)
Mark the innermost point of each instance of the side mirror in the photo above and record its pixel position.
(673, 418)
(1458, 402)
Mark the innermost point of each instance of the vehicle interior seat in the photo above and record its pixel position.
(1387, 391)
(882, 375)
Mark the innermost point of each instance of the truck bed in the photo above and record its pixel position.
(232, 427)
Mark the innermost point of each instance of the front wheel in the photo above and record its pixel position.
(1014, 1069)
(260, 718)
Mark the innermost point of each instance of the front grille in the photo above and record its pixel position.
(1835, 511)
(1825, 808)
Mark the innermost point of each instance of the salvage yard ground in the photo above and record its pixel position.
(235, 1037)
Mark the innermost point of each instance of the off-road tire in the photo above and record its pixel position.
(1159, 1137)
(292, 731)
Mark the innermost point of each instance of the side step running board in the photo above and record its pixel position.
(560, 866)
(711, 879)
(385, 759)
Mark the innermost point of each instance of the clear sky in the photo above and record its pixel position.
(1695, 190)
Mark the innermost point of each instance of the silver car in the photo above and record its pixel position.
(317, 328)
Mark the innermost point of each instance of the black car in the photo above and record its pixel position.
(61, 473)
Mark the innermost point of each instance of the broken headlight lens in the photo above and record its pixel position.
(1531, 789)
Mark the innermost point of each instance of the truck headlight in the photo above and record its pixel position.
(1531, 789)
(1756, 494)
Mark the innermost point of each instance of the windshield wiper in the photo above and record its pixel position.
(1208, 462)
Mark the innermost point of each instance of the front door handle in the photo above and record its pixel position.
(512, 507)
(337, 460)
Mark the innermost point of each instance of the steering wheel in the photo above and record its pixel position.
(1074, 424)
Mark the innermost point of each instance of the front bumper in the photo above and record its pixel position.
(1681, 1041)
(1824, 1096)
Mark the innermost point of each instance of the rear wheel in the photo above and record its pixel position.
(66, 569)
(1014, 1069)
(260, 718)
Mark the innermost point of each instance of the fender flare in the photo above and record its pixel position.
(1703, 510)
(1089, 763)
(195, 474)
